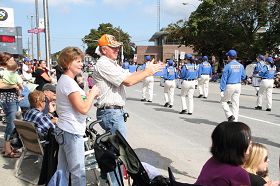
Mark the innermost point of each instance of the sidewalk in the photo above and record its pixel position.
(7, 170)
(30, 169)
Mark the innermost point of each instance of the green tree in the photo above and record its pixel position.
(219, 25)
(107, 28)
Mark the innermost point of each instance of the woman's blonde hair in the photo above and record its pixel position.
(255, 158)
(35, 98)
(68, 55)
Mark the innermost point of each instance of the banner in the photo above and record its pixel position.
(7, 17)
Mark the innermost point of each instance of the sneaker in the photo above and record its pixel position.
(143, 99)
(170, 106)
(257, 94)
(231, 118)
(204, 97)
(268, 109)
(229, 102)
(189, 113)
(200, 96)
(258, 108)
(183, 112)
(166, 105)
(150, 101)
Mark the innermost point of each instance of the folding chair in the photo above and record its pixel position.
(31, 146)
(173, 182)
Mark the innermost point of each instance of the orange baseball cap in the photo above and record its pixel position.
(108, 40)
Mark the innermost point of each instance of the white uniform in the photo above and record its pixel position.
(169, 88)
(203, 85)
(266, 87)
(148, 86)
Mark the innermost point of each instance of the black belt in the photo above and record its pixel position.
(111, 107)
(189, 79)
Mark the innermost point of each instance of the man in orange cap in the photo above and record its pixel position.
(111, 79)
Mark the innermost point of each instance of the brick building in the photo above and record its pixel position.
(162, 49)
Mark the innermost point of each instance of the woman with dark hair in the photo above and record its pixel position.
(230, 144)
(41, 77)
(9, 102)
(266, 86)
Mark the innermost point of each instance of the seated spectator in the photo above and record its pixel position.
(230, 144)
(35, 115)
(257, 166)
(50, 95)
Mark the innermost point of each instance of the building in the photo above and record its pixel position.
(162, 49)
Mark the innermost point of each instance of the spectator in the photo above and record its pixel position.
(90, 80)
(50, 94)
(26, 70)
(111, 78)
(257, 166)
(80, 80)
(41, 77)
(231, 141)
(72, 105)
(11, 77)
(9, 103)
(35, 115)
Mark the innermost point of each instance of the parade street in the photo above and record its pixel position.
(162, 137)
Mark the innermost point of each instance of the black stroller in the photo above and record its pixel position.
(112, 150)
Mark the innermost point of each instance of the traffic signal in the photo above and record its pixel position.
(7, 39)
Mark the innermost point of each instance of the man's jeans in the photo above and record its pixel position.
(71, 156)
(10, 109)
(112, 120)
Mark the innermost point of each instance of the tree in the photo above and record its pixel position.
(107, 28)
(219, 25)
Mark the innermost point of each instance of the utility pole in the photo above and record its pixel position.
(37, 26)
(32, 37)
(47, 33)
(158, 15)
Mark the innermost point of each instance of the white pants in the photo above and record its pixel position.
(256, 81)
(203, 85)
(266, 87)
(187, 89)
(232, 93)
(169, 88)
(148, 87)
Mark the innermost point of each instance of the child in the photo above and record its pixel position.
(11, 77)
(90, 81)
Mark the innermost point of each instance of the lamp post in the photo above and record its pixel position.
(47, 33)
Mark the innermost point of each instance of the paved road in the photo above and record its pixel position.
(163, 137)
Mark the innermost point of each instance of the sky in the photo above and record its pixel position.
(71, 20)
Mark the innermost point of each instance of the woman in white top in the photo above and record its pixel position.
(72, 105)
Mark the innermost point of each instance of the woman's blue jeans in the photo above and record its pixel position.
(71, 156)
(10, 110)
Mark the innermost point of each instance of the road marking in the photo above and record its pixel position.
(271, 123)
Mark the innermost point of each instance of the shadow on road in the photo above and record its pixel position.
(278, 116)
(157, 160)
(248, 108)
(200, 121)
(266, 141)
(210, 101)
(133, 99)
(166, 110)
